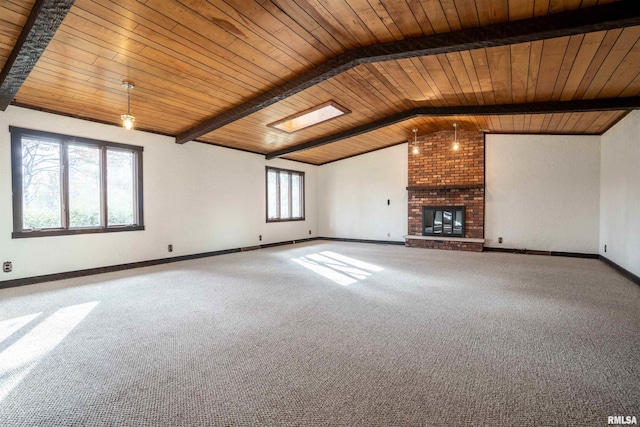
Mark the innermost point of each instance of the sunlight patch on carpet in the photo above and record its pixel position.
(340, 269)
(22, 356)
(9, 326)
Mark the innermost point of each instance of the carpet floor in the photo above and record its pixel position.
(326, 334)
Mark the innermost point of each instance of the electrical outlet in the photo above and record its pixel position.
(170, 248)
(260, 237)
(309, 232)
(499, 239)
(7, 267)
(605, 248)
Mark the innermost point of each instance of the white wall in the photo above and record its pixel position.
(552, 193)
(620, 194)
(353, 194)
(198, 197)
(542, 192)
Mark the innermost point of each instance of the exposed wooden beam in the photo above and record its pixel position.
(598, 18)
(42, 23)
(579, 106)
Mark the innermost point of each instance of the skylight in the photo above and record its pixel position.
(313, 116)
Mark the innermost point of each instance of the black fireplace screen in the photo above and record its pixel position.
(443, 221)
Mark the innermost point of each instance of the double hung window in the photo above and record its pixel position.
(285, 195)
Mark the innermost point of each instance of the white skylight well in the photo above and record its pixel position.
(313, 116)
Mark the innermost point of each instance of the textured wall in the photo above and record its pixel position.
(620, 194)
(353, 195)
(543, 192)
(198, 197)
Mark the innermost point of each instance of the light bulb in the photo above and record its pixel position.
(456, 145)
(127, 121)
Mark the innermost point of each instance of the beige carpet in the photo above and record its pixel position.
(319, 334)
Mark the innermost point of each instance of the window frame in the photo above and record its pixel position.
(17, 134)
(278, 199)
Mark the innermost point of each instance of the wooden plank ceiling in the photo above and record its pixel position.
(192, 60)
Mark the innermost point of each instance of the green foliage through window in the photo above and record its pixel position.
(63, 183)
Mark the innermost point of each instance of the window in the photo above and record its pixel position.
(285, 195)
(67, 185)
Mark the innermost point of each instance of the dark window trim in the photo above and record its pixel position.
(304, 191)
(72, 139)
(16, 177)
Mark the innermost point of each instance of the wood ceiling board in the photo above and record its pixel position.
(624, 75)
(349, 19)
(519, 70)
(44, 19)
(277, 35)
(563, 123)
(474, 78)
(457, 71)
(315, 36)
(434, 12)
(383, 85)
(108, 110)
(197, 89)
(603, 50)
(483, 74)
(574, 44)
(437, 77)
(584, 21)
(505, 111)
(467, 13)
(378, 18)
(553, 52)
(200, 69)
(405, 80)
(233, 45)
(581, 61)
(191, 48)
(304, 23)
(520, 9)
(13, 17)
(381, 100)
(156, 48)
(57, 75)
(619, 51)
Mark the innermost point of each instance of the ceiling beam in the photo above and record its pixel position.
(598, 18)
(578, 106)
(42, 23)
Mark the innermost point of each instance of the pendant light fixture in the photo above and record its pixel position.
(416, 150)
(128, 119)
(456, 143)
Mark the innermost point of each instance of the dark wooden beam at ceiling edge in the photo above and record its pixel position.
(577, 106)
(42, 23)
(609, 16)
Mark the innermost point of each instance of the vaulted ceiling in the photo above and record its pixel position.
(219, 72)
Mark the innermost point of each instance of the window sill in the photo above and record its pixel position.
(284, 220)
(46, 233)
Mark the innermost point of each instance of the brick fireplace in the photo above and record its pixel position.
(439, 177)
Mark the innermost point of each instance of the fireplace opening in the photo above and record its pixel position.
(443, 221)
